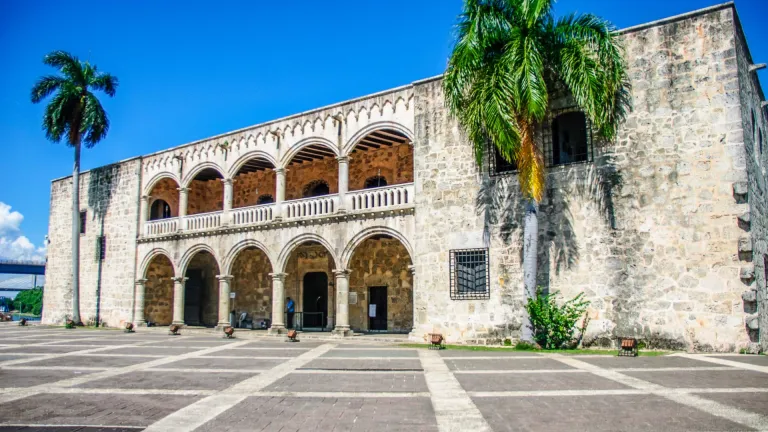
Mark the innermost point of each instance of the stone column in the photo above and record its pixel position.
(178, 300)
(279, 193)
(342, 303)
(144, 213)
(343, 183)
(224, 290)
(278, 303)
(183, 195)
(228, 196)
(138, 309)
(415, 332)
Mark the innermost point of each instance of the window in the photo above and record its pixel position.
(754, 123)
(571, 139)
(497, 164)
(469, 274)
(102, 247)
(265, 199)
(160, 210)
(316, 188)
(83, 218)
(760, 140)
(375, 181)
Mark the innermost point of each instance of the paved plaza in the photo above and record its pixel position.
(59, 380)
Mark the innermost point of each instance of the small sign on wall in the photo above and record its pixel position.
(353, 298)
(372, 310)
(232, 295)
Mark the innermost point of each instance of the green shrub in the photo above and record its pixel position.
(553, 324)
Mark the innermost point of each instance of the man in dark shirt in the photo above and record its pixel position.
(290, 307)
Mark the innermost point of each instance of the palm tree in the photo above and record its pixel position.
(76, 114)
(508, 57)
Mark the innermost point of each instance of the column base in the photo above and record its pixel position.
(277, 330)
(141, 323)
(342, 331)
(181, 323)
(221, 326)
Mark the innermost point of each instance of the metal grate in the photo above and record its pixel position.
(469, 274)
(102, 247)
(575, 125)
(83, 218)
(497, 165)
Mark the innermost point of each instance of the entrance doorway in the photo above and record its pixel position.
(315, 300)
(377, 308)
(193, 297)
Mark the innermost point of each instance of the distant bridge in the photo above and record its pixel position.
(22, 267)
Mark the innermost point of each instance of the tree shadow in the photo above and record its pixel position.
(102, 183)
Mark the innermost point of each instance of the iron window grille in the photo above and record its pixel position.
(83, 218)
(497, 165)
(469, 274)
(102, 247)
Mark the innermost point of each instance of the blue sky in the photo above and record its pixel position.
(188, 70)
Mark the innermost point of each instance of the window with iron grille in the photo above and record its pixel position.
(102, 247)
(497, 165)
(569, 138)
(83, 218)
(469, 274)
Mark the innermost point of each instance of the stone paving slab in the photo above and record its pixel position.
(699, 379)
(536, 382)
(505, 364)
(276, 343)
(597, 414)
(217, 363)
(383, 364)
(30, 378)
(7, 357)
(326, 414)
(97, 342)
(85, 409)
(169, 381)
(643, 362)
(164, 351)
(373, 353)
(466, 353)
(66, 429)
(340, 382)
(759, 360)
(175, 341)
(755, 402)
(254, 353)
(90, 360)
(44, 349)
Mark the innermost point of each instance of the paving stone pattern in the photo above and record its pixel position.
(334, 385)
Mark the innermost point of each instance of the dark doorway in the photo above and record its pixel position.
(377, 315)
(159, 210)
(315, 300)
(193, 297)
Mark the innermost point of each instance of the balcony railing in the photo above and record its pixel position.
(310, 207)
(380, 198)
(203, 221)
(252, 215)
(161, 226)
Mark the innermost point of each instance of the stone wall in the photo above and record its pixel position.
(252, 284)
(309, 258)
(167, 190)
(205, 196)
(382, 262)
(299, 175)
(647, 232)
(158, 294)
(110, 195)
(394, 163)
(247, 188)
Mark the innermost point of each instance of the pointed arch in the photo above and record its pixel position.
(365, 234)
(282, 259)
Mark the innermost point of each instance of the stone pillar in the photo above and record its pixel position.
(343, 183)
(138, 308)
(342, 303)
(415, 332)
(178, 300)
(224, 307)
(183, 195)
(278, 303)
(279, 193)
(228, 196)
(144, 205)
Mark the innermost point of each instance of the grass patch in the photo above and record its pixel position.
(603, 352)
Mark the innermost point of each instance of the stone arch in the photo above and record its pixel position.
(363, 235)
(311, 189)
(255, 154)
(191, 252)
(306, 142)
(157, 178)
(282, 258)
(360, 134)
(151, 255)
(198, 169)
(241, 246)
(158, 271)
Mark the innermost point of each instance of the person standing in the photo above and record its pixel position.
(290, 307)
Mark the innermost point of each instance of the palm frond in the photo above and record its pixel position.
(104, 82)
(530, 163)
(44, 87)
(95, 124)
(69, 65)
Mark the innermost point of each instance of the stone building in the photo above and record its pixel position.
(372, 214)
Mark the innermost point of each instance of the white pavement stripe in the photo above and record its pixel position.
(373, 395)
(63, 426)
(201, 412)
(199, 370)
(64, 368)
(41, 357)
(357, 371)
(454, 409)
(526, 357)
(735, 415)
(569, 393)
(368, 358)
(735, 364)
(519, 371)
(113, 391)
(673, 369)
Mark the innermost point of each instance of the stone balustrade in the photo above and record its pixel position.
(161, 226)
(310, 207)
(253, 215)
(380, 198)
(202, 221)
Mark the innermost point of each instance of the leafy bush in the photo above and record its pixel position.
(553, 324)
(29, 301)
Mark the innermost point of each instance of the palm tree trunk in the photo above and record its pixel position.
(76, 237)
(530, 260)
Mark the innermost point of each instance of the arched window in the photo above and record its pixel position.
(160, 210)
(375, 181)
(316, 188)
(265, 199)
(570, 138)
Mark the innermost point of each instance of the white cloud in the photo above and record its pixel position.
(14, 245)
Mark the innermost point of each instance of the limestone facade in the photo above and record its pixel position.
(663, 230)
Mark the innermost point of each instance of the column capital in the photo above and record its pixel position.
(227, 181)
(225, 277)
(343, 159)
(146, 198)
(179, 279)
(183, 189)
(280, 170)
(412, 269)
(342, 272)
(141, 281)
(278, 276)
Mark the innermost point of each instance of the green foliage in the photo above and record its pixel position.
(30, 301)
(69, 324)
(525, 346)
(553, 324)
(507, 342)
